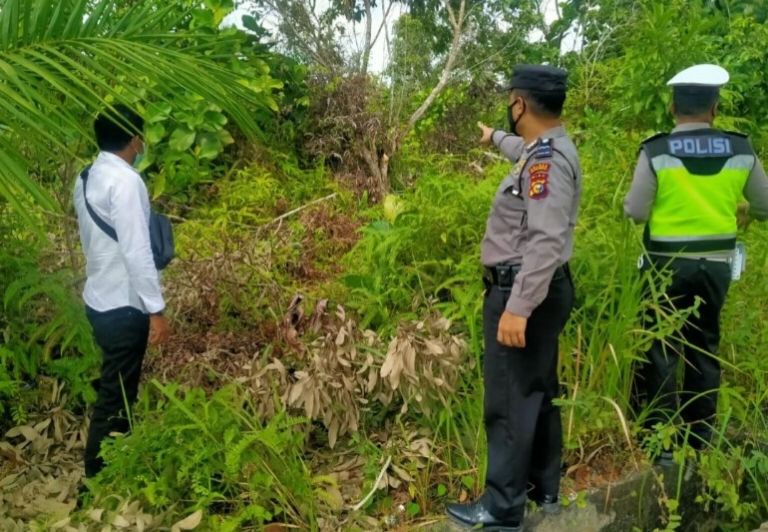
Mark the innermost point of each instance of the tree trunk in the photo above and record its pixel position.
(372, 160)
(368, 37)
(398, 135)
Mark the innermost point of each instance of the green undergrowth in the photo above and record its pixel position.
(191, 452)
(266, 232)
(428, 255)
(43, 326)
(243, 256)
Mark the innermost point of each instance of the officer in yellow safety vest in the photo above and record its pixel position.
(686, 188)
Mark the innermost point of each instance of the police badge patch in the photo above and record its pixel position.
(539, 187)
(539, 168)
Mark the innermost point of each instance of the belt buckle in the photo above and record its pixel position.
(504, 273)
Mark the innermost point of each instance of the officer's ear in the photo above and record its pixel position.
(672, 108)
(714, 110)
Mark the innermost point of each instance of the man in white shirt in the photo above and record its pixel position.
(122, 294)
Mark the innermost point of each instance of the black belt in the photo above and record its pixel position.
(503, 275)
(672, 258)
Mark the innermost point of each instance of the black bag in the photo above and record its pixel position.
(160, 230)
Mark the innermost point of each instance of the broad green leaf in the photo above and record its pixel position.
(210, 146)
(182, 139)
(157, 112)
(158, 185)
(250, 23)
(202, 18)
(215, 118)
(224, 137)
(154, 133)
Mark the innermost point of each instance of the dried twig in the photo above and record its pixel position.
(375, 485)
(298, 209)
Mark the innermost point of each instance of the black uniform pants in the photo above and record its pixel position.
(522, 425)
(697, 403)
(122, 335)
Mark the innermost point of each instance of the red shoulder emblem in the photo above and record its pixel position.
(539, 188)
(539, 168)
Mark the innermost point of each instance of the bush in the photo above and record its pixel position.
(242, 254)
(421, 254)
(213, 454)
(44, 323)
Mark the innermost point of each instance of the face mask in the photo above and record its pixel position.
(512, 122)
(139, 156)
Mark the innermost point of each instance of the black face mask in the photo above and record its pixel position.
(512, 122)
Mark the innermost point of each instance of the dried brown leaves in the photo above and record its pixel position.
(43, 469)
(45, 472)
(423, 363)
(339, 368)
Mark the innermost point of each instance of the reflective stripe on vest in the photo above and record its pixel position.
(697, 193)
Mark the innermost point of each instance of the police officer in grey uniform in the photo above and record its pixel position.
(528, 300)
(685, 189)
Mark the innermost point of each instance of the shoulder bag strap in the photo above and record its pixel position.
(111, 233)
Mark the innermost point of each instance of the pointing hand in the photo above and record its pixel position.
(485, 140)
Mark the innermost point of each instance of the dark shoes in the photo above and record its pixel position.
(82, 496)
(665, 459)
(475, 516)
(547, 503)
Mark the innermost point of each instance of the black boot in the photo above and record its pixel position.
(547, 503)
(83, 496)
(665, 459)
(475, 516)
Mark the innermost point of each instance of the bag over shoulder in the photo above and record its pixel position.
(160, 229)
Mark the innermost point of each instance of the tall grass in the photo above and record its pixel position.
(430, 254)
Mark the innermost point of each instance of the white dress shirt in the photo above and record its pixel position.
(122, 273)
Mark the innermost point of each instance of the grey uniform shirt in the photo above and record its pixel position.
(534, 214)
(638, 203)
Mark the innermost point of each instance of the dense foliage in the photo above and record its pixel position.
(311, 363)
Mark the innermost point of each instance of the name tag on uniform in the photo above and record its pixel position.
(700, 146)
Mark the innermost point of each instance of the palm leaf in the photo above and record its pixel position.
(60, 60)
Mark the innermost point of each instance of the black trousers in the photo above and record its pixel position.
(522, 425)
(697, 402)
(122, 335)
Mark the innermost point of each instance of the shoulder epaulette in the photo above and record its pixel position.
(736, 134)
(654, 137)
(544, 149)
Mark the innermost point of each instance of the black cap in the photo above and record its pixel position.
(538, 77)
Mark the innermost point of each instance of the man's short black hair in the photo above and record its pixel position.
(694, 101)
(114, 134)
(546, 104)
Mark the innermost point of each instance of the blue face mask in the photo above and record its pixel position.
(140, 156)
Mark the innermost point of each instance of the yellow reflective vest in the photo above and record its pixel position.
(700, 178)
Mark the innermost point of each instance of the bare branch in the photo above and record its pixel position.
(304, 35)
(298, 209)
(455, 23)
(445, 76)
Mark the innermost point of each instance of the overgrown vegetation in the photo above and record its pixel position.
(325, 370)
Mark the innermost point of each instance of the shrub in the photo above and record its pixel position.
(213, 454)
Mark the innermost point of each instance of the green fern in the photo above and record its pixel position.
(234, 456)
(188, 447)
(49, 332)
